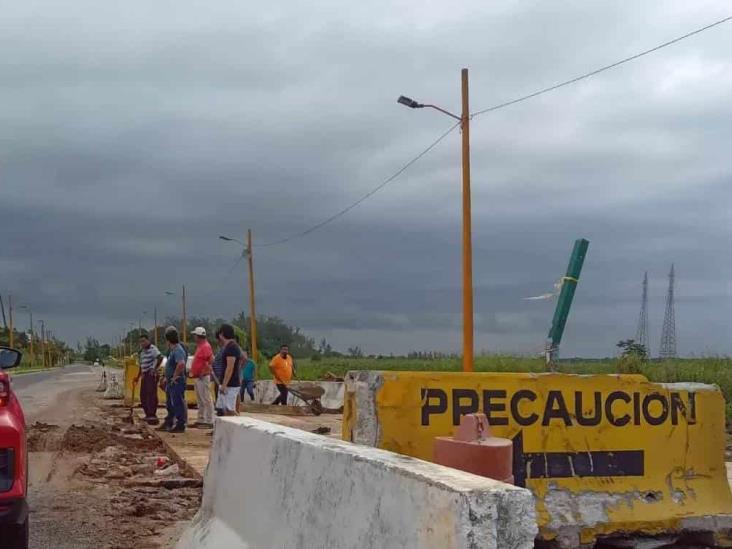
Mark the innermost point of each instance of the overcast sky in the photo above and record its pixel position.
(132, 134)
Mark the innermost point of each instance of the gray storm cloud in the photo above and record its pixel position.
(131, 136)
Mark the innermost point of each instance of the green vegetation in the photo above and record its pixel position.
(271, 333)
(55, 349)
(318, 361)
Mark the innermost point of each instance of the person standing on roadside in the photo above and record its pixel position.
(150, 359)
(248, 377)
(174, 383)
(218, 372)
(231, 356)
(201, 373)
(281, 368)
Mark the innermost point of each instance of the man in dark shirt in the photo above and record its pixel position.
(174, 383)
(231, 381)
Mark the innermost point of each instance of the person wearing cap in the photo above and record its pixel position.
(201, 374)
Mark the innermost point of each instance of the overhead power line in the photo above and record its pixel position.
(401, 170)
(369, 194)
(601, 69)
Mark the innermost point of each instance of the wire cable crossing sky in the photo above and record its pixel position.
(366, 196)
(132, 139)
(406, 166)
(601, 69)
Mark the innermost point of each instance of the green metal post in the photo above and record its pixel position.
(566, 295)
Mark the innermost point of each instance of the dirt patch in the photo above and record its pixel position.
(43, 437)
(93, 438)
(110, 484)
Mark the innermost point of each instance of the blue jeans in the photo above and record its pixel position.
(247, 386)
(175, 402)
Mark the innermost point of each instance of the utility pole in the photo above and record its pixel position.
(252, 309)
(185, 330)
(32, 337)
(155, 320)
(43, 342)
(11, 339)
(467, 235)
(641, 334)
(464, 121)
(668, 333)
(2, 308)
(248, 252)
(49, 346)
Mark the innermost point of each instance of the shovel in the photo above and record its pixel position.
(132, 401)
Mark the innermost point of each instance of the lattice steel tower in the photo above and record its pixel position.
(668, 334)
(641, 334)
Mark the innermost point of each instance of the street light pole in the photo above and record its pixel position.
(185, 330)
(11, 338)
(139, 323)
(252, 309)
(155, 315)
(248, 251)
(464, 119)
(43, 343)
(32, 337)
(468, 346)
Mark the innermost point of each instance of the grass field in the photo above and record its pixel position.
(704, 370)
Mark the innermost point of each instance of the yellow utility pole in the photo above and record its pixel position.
(464, 121)
(185, 329)
(467, 234)
(252, 309)
(43, 342)
(11, 338)
(32, 337)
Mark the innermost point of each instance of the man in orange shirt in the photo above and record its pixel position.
(281, 368)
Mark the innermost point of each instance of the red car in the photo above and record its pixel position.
(13, 460)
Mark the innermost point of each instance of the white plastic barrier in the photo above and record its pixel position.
(272, 487)
(266, 392)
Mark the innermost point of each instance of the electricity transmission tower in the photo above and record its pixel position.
(668, 334)
(641, 334)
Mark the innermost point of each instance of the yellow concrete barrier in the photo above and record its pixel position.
(602, 454)
(131, 397)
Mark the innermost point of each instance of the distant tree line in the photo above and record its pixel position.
(272, 332)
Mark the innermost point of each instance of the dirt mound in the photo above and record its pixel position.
(93, 438)
(157, 504)
(43, 437)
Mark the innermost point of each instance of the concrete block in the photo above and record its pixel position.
(266, 392)
(272, 487)
(604, 455)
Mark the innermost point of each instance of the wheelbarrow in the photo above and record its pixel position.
(310, 394)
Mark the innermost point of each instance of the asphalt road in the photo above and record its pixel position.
(23, 381)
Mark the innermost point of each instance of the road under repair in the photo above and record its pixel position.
(92, 472)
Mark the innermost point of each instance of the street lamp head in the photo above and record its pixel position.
(226, 238)
(169, 293)
(407, 102)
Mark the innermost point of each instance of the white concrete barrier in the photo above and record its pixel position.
(266, 392)
(272, 487)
